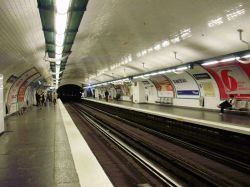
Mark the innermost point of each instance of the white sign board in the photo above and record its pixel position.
(185, 85)
(1, 105)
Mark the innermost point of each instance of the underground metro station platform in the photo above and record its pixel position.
(113, 93)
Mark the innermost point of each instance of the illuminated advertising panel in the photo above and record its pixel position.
(23, 88)
(13, 93)
(232, 78)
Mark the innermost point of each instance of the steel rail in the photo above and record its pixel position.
(181, 164)
(208, 153)
(149, 165)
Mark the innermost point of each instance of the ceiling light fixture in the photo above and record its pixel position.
(181, 68)
(59, 49)
(62, 6)
(60, 39)
(228, 59)
(210, 63)
(61, 23)
(246, 56)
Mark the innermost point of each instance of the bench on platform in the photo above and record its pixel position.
(165, 100)
(240, 107)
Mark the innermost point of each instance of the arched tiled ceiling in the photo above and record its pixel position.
(113, 29)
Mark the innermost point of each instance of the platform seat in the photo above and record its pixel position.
(165, 100)
(241, 107)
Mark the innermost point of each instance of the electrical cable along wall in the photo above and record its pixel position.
(60, 20)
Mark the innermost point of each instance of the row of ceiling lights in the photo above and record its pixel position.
(120, 81)
(178, 69)
(61, 17)
(225, 60)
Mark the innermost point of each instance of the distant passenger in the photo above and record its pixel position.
(37, 99)
(227, 104)
(54, 97)
(40, 100)
(43, 98)
(106, 95)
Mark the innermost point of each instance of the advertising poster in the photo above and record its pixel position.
(163, 86)
(13, 93)
(232, 78)
(23, 88)
(1, 105)
(185, 85)
(208, 89)
(126, 89)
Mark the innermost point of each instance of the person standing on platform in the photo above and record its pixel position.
(106, 95)
(37, 99)
(227, 104)
(43, 99)
(40, 100)
(54, 97)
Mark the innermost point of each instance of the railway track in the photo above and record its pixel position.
(173, 161)
(238, 164)
(224, 143)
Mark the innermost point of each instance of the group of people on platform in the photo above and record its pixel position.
(107, 96)
(43, 99)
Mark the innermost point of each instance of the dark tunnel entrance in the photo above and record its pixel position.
(69, 92)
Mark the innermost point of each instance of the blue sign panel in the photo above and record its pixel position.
(188, 92)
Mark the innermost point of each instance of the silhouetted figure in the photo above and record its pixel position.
(43, 99)
(54, 97)
(106, 95)
(37, 99)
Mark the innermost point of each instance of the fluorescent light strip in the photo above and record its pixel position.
(246, 56)
(58, 56)
(61, 23)
(62, 6)
(59, 49)
(181, 68)
(60, 39)
(228, 59)
(210, 63)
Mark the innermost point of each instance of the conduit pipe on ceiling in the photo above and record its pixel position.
(243, 41)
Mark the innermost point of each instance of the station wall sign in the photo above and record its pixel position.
(201, 76)
(185, 85)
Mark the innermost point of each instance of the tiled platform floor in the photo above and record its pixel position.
(35, 151)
